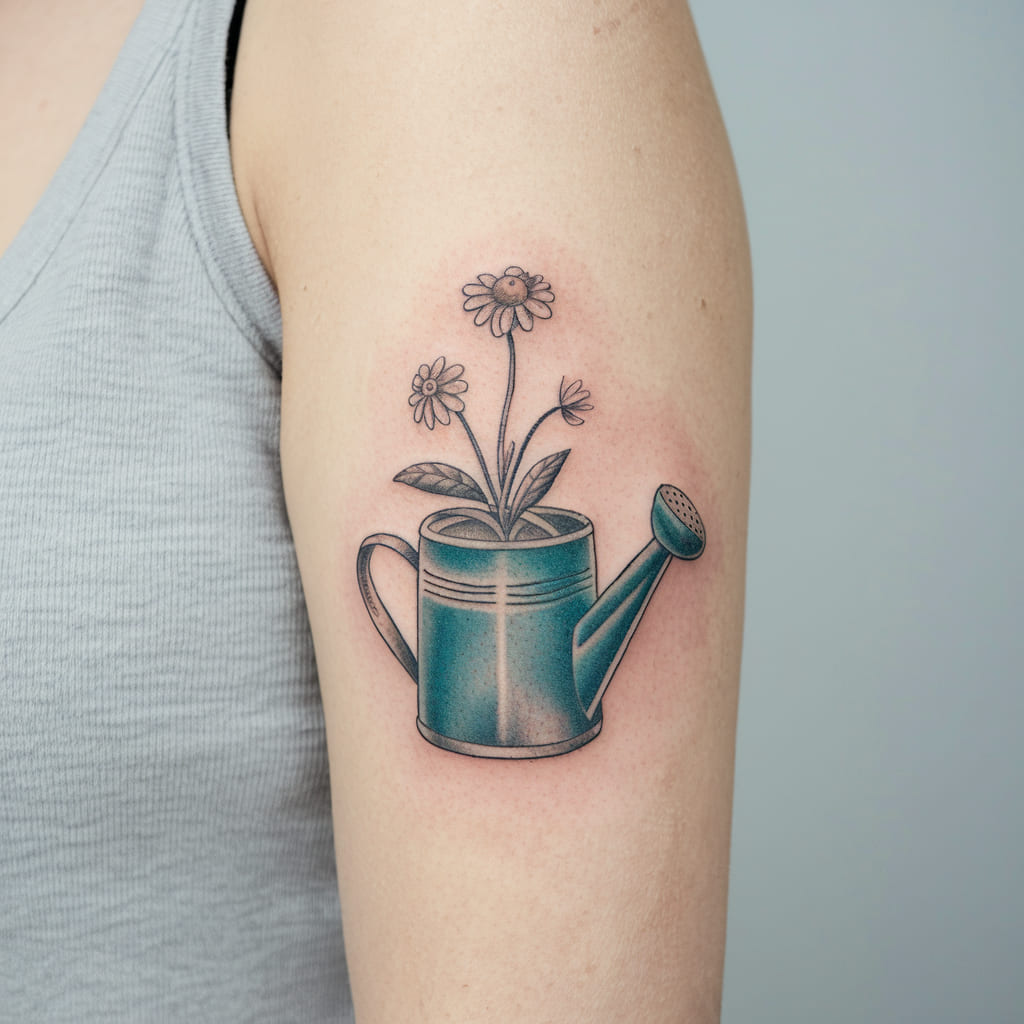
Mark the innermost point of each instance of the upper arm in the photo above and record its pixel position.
(390, 154)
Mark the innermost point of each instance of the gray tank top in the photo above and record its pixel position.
(165, 832)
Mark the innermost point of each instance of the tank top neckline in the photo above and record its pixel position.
(141, 55)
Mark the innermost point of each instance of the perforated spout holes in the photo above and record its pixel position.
(676, 523)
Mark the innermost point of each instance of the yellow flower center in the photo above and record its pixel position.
(510, 291)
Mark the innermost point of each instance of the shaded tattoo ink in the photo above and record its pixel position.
(515, 647)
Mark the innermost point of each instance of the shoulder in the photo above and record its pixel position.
(329, 96)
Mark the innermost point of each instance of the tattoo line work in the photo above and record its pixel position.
(515, 647)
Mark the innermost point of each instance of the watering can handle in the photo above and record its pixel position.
(378, 613)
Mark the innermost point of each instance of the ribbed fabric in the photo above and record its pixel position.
(165, 833)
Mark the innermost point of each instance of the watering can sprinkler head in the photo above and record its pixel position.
(677, 524)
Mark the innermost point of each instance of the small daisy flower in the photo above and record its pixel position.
(435, 392)
(572, 399)
(510, 301)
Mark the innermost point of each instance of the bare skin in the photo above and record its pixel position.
(384, 157)
(54, 58)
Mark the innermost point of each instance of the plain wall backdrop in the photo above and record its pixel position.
(878, 838)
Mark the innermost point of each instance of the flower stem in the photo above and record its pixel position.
(508, 405)
(483, 464)
(506, 490)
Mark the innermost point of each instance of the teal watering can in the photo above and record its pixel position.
(516, 648)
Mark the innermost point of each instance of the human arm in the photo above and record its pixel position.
(387, 155)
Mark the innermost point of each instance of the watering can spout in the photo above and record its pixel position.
(602, 635)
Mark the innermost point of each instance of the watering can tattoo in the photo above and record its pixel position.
(515, 647)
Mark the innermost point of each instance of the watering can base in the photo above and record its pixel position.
(510, 752)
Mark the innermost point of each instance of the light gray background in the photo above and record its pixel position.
(878, 845)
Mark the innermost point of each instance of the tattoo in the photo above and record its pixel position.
(516, 649)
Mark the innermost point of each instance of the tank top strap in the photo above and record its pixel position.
(201, 123)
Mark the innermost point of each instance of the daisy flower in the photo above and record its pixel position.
(572, 399)
(510, 301)
(435, 392)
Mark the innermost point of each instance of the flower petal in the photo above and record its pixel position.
(428, 413)
(538, 308)
(476, 301)
(437, 368)
(451, 401)
(515, 272)
(525, 318)
(443, 415)
(423, 374)
(573, 392)
(415, 397)
(503, 322)
(543, 294)
(487, 280)
(484, 314)
(476, 289)
(418, 411)
(572, 419)
(453, 371)
(455, 387)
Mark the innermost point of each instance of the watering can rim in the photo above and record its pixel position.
(427, 533)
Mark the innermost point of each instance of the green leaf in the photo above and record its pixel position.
(440, 478)
(537, 483)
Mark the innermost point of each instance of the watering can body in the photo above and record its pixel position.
(495, 642)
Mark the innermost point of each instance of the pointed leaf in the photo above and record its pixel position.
(440, 478)
(537, 482)
(509, 452)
